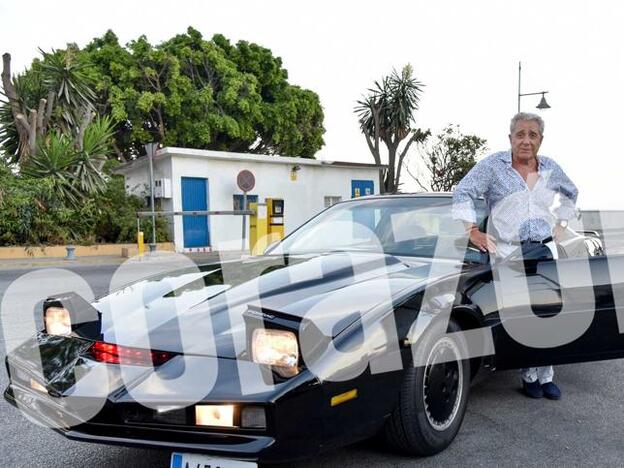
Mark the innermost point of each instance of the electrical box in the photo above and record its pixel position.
(275, 207)
(266, 224)
(162, 188)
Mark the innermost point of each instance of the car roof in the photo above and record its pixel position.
(403, 195)
(390, 196)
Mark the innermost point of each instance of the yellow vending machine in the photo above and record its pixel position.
(275, 207)
(258, 228)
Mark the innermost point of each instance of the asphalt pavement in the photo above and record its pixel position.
(501, 427)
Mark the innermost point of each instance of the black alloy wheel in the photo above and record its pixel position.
(434, 393)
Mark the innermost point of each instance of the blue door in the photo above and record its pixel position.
(361, 188)
(195, 198)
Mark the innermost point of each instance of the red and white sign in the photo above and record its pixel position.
(245, 180)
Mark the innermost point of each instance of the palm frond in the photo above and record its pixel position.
(53, 160)
(96, 146)
(64, 74)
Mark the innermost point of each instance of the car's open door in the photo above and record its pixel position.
(571, 315)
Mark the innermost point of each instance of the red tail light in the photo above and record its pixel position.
(115, 354)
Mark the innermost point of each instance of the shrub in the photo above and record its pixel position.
(31, 213)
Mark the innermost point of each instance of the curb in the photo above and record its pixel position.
(62, 262)
(22, 264)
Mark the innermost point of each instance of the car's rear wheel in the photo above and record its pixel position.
(433, 396)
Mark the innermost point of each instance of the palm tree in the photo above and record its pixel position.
(21, 95)
(67, 77)
(386, 114)
(92, 150)
(74, 165)
(54, 160)
(47, 126)
(56, 93)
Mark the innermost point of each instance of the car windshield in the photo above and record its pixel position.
(411, 226)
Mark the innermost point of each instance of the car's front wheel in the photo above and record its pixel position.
(434, 394)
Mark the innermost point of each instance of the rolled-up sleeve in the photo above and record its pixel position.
(474, 185)
(568, 193)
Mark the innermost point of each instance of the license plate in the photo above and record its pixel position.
(193, 460)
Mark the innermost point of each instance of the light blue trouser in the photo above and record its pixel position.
(543, 374)
(531, 374)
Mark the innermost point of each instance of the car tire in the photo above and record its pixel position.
(433, 396)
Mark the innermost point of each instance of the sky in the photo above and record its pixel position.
(465, 52)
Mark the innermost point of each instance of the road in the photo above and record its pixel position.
(501, 427)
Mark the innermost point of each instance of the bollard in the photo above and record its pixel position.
(71, 252)
(141, 242)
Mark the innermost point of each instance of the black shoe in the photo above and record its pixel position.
(551, 391)
(532, 389)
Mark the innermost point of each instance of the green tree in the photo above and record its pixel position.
(198, 93)
(75, 165)
(48, 124)
(386, 114)
(55, 94)
(32, 213)
(206, 94)
(54, 160)
(448, 159)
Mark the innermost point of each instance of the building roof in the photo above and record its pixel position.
(230, 156)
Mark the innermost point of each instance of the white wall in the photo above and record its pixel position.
(303, 198)
(137, 183)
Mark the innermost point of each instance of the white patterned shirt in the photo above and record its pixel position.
(516, 212)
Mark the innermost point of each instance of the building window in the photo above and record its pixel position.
(330, 200)
(238, 201)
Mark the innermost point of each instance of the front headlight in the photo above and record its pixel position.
(214, 415)
(277, 348)
(57, 321)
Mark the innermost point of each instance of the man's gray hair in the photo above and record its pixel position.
(526, 116)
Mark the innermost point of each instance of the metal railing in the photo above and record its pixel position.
(149, 214)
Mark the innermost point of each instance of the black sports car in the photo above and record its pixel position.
(371, 317)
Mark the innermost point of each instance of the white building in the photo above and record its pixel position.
(197, 180)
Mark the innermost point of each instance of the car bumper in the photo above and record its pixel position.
(286, 437)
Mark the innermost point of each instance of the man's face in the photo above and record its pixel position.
(525, 140)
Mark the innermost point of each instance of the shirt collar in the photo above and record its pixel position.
(506, 157)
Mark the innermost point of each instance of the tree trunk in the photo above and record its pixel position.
(32, 132)
(7, 84)
(401, 158)
(87, 116)
(21, 123)
(40, 118)
(119, 153)
(390, 175)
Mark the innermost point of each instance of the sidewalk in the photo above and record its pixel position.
(61, 262)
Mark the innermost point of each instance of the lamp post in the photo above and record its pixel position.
(150, 150)
(542, 104)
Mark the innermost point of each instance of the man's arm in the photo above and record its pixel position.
(474, 185)
(568, 193)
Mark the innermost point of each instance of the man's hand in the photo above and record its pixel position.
(482, 241)
(557, 233)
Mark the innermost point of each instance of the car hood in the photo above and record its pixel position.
(201, 311)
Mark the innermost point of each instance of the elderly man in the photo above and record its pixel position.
(530, 200)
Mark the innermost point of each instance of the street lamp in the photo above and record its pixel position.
(150, 150)
(542, 104)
